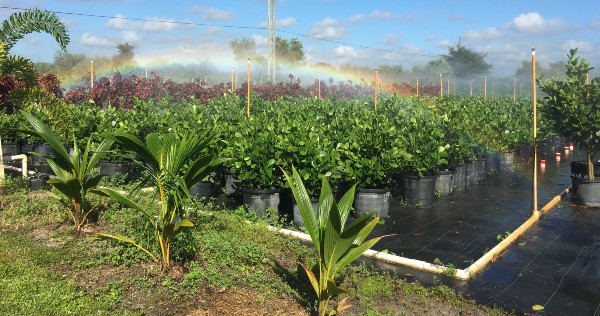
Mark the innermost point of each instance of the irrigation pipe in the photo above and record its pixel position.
(462, 274)
(23, 168)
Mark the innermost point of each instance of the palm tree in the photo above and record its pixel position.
(173, 166)
(15, 28)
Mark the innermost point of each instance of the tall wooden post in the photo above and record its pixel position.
(484, 90)
(91, 74)
(417, 88)
(470, 87)
(232, 87)
(319, 81)
(248, 96)
(376, 87)
(441, 86)
(535, 153)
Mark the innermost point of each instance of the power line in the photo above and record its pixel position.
(227, 26)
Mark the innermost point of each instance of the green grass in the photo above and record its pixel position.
(46, 271)
(28, 287)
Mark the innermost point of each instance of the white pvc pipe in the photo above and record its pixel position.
(21, 157)
(461, 274)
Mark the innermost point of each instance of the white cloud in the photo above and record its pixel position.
(120, 23)
(260, 40)
(345, 52)
(130, 36)
(328, 28)
(378, 15)
(280, 23)
(534, 22)
(393, 38)
(357, 18)
(88, 39)
(431, 38)
(444, 43)
(487, 34)
(583, 46)
(157, 24)
(217, 14)
(154, 24)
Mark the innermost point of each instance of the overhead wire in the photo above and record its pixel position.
(225, 26)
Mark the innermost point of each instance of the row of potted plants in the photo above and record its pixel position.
(346, 141)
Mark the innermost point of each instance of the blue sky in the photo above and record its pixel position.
(405, 33)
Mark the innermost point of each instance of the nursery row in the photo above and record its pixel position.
(347, 141)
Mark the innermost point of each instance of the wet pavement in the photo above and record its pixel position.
(556, 263)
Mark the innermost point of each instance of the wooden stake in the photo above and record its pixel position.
(448, 88)
(1, 162)
(484, 90)
(91, 74)
(319, 80)
(232, 88)
(417, 88)
(470, 87)
(248, 97)
(376, 88)
(535, 154)
(147, 73)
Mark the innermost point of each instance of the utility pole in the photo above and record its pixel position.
(271, 60)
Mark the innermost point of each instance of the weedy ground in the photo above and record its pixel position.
(228, 264)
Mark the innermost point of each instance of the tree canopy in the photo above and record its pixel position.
(466, 63)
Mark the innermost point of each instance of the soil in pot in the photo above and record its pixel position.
(260, 200)
(579, 167)
(444, 183)
(371, 200)
(419, 191)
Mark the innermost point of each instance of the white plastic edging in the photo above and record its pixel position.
(461, 274)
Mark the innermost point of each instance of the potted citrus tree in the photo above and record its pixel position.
(573, 106)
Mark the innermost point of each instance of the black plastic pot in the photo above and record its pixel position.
(298, 218)
(586, 192)
(506, 160)
(203, 190)
(260, 200)
(444, 183)
(112, 168)
(43, 149)
(470, 174)
(37, 184)
(480, 170)
(460, 177)
(233, 186)
(10, 149)
(371, 200)
(419, 191)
